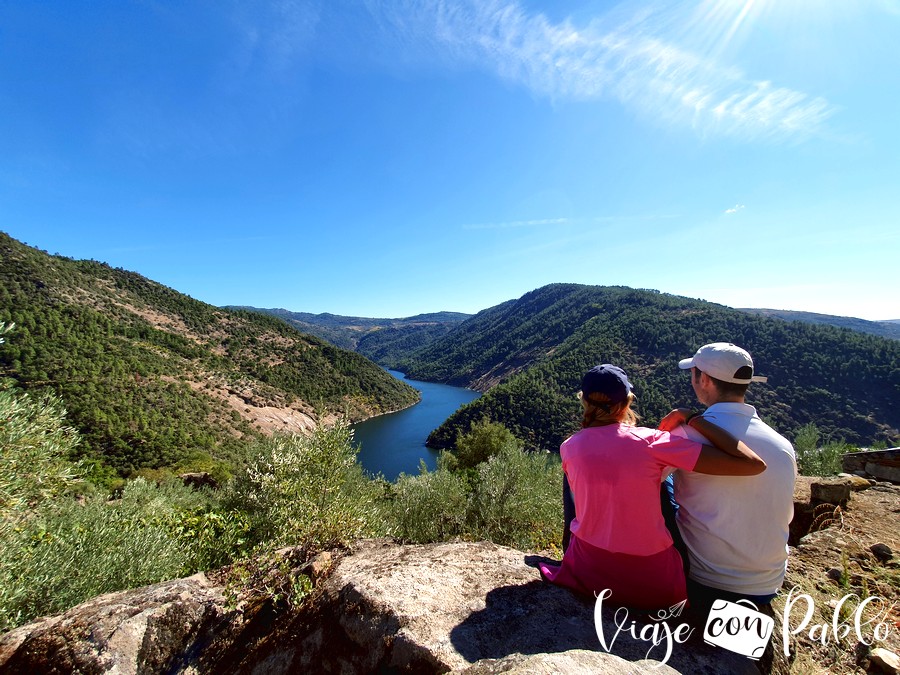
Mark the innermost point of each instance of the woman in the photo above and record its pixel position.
(619, 540)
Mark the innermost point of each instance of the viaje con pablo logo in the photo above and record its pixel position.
(741, 628)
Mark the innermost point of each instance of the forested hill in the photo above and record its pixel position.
(152, 377)
(385, 341)
(888, 329)
(529, 355)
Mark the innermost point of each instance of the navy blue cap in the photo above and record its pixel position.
(608, 380)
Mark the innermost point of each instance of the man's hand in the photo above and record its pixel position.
(674, 419)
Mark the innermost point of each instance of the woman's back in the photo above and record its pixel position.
(614, 472)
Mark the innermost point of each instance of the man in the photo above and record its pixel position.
(735, 529)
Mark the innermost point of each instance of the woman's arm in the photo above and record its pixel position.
(726, 456)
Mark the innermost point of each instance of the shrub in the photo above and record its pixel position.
(511, 497)
(34, 446)
(517, 500)
(431, 506)
(69, 551)
(818, 460)
(307, 491)
(56, 551)
(215, 537)
(483, 440)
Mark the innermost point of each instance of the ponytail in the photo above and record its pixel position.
(598, 411)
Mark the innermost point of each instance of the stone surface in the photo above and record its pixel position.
(857, 461)
(857, 482)
(811, 492)
(154, 629)
(883, 471)
(450, 606)
(574, 662)
(464, 607)
(885, 660)
(830, 491)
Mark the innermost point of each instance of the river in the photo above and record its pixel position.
(394, 443)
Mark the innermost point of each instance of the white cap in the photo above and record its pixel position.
(723, 361)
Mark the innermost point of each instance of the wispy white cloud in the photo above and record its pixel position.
(274, 35)
(552, 222)
(516, 223)
(626, 60)
(735, 208)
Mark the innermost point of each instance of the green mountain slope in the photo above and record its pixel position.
(889, 329)
(152, 377)
(384, 341)
(529, 355)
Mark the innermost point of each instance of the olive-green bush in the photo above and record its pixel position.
(431, 506)
(34, 444)
(815, 458)
(71, 550)
(307, 490)
(517, 500)
(512, 497)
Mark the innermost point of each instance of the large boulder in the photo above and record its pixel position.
(463, 607)
(155, 629)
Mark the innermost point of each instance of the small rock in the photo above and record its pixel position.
(857, 482)
(200, 479)
(882, 551)
(887, 661)
(319, 565)
(835, 574)
(830, 491)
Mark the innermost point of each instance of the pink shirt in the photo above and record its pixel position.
(615, 473)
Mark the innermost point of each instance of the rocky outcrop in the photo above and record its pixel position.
(156, 629)
(880, 464)
(474, 608)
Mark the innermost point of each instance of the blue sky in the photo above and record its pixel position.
(389, 158)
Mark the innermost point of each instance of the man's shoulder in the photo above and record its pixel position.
(731, 409)
(741, 416)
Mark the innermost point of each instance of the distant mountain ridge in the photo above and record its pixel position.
(384, 341)
(153, 378)
(528, 356)
(889, 329)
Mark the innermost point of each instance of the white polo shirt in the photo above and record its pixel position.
(736, 527)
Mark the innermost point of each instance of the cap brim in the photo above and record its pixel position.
(684, 364)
